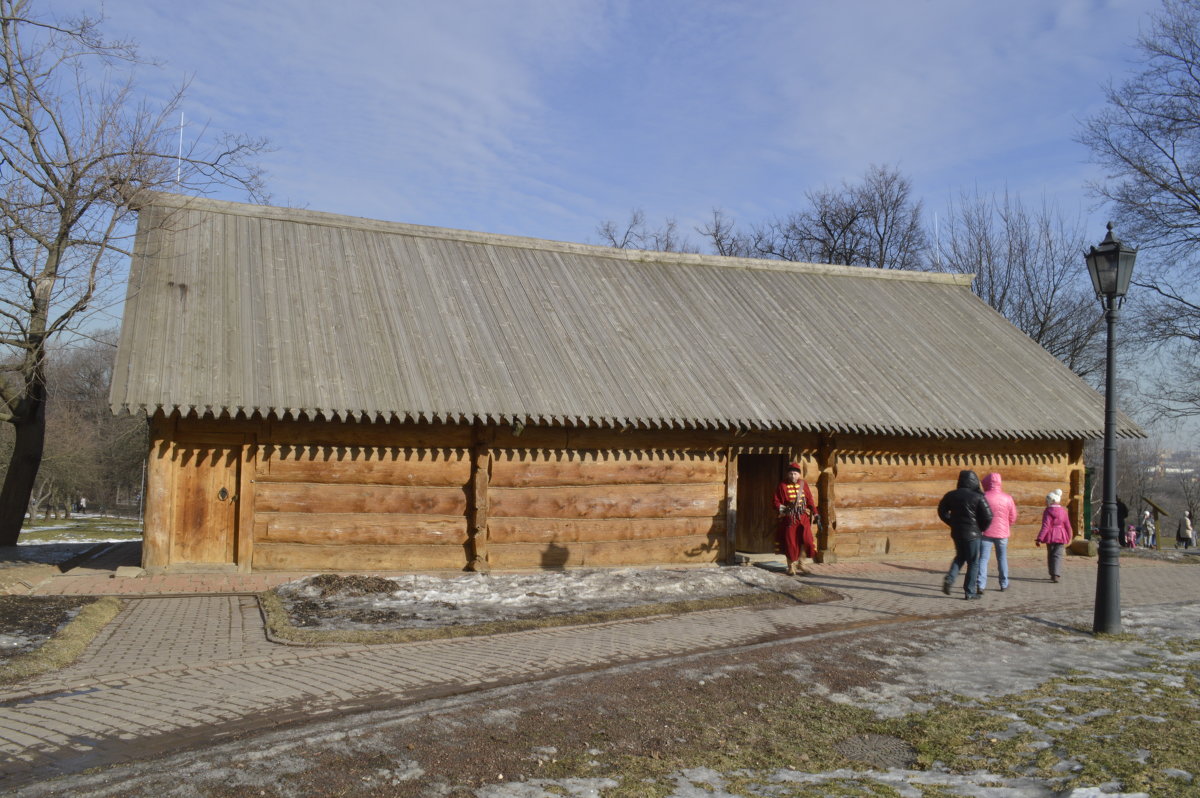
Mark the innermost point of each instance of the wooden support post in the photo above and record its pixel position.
(826, 504)
(1076, 500)
(477, 522)
(731, 478)
(159, 509)
(246, 484)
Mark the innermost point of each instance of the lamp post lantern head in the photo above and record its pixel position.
(1111, 266)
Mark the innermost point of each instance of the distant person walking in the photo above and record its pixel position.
(794, 503)
(1184, 533)
(1146, 531)
(966, 512)
(1004, 515)
(1056, 533)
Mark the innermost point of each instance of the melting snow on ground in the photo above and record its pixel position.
(417, 601)
(1020, 653)
(973, 659)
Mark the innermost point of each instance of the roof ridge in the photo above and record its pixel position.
(322, 218)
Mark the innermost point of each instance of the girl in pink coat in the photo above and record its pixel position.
(1004, 515)
(1056, 533)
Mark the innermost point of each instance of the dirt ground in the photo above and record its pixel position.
(1018, 707)
(1015, 707)
(28, 621)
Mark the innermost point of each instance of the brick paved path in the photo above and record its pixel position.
(199, 668)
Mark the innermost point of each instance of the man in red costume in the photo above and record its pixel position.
(794, 503)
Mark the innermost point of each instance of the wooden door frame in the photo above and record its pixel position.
(733, 482)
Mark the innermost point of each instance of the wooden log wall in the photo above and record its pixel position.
(360, 507)
(888, 492)
(569, 508)
(320, 495)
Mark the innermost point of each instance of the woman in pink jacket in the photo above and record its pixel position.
(1004, 515)
(1056, 533)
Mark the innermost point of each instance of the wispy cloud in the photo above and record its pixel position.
(542, 118)
(955, 92)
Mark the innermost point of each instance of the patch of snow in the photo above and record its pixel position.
(15, 642)
(421, 601)
(575, 788)
(504, 718)
(1028, 656)
(407, 771)
(907, 783)
(930, 662)
(71, 538)
(700, 783)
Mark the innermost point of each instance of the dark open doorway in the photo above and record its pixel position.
(757, 477)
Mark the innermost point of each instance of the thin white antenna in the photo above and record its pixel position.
(179, 157)
(937, 241)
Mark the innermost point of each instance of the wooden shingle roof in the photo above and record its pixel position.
(237, 308)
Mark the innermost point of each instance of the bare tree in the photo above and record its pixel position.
(1189, 490)
(725, 239)
(1139, 473)
(77, 149)
(1027, 265)
(875, 222)
(1148, 140)
(637, 234)
(830, 229)
(1148, 137)
(88, 451)
(892, 220)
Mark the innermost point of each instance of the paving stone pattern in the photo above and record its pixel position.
(198, 668)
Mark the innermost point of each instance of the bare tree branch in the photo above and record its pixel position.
(636, 234)
(1148, 140)
(875, 222)
(1027, 265)
(75, 154)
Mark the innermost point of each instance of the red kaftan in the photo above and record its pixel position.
(795, 524)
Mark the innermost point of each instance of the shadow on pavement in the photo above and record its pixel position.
(60, 554)
(110, 557)
(69, 556)
(914, 589)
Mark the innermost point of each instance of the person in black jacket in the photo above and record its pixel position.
(966, 512)
(1122, 517)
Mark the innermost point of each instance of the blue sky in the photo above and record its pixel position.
(545, 117)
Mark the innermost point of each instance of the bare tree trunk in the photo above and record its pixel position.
(77, 149)
(22, 468)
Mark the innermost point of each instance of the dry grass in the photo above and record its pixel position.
(65, 646)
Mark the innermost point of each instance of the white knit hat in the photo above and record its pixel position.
(1054, 496)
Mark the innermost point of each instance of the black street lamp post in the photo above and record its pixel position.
(1111, 266)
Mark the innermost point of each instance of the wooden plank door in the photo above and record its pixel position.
(757, 477)
(206, 502)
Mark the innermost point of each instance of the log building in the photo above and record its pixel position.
(334, 393)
